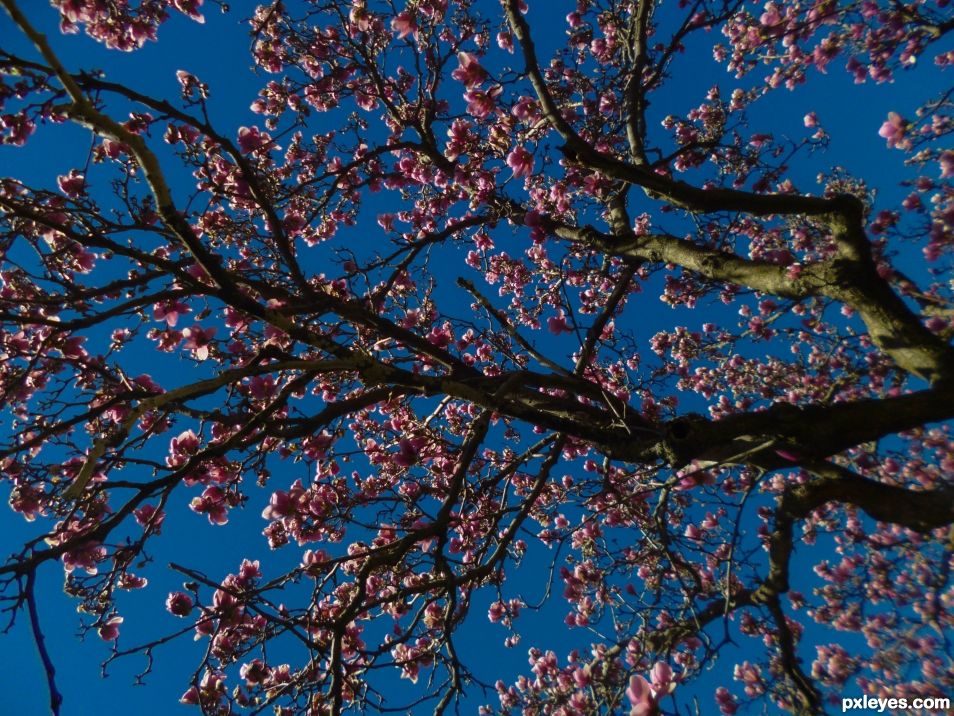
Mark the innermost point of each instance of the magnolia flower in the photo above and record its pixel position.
(71, 184)
(190, 8)
(110, 630)
(521, 161)
(893, 131)
(480, 103)
(771, 15)
(644, 695)
(405, 24)
(469, 71)
(179, 604)
(251, 139)
(558, 324)
(197, 340)
(360, 17)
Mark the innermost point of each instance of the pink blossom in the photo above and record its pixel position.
(190, 8)
(86, 557)
(262, 387)
(360, 17)
(72, 184)
(251, 139)
(726, 701)
(694, 533)
(280, 505)
(73, 347)
(169, 312)
(181, 447)
(149, 515)
(641, 696)
(179, 604)
(521, 161)
(644, 696)
(405, 24)
(558, 324)
(525, 108)
(109, 631)
(771, 16)
(663, 680)
(496, 612)
(469, 71)
(893, 131)
(407, 453)
(17, 128)
(212, 503)
(947, 164)
(480, 103)
(197, 340)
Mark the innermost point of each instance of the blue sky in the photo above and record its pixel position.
(217, 53)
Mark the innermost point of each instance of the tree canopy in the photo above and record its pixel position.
(491, 315)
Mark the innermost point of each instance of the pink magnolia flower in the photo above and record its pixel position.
(525, 108)
(771, 15)
(694, 533)
(663, 680)
(641, 696)
(469, 72)
(211, 503)
(281, 504)
(254, 672)
(557, 324)
(251, 139)
(190, 697)
(73, 347)
(521, 161)
(360, 17)
(169, 312)
(198, 340)
(480, 103)
(405, 24)
(110, 630)
(644, 695)
(726, 701)
(210, 690)
(893, 131)
(947, 164)
(18, 128)
(262, 387)
(407, 453)
(179, 604)
(189, 8)
(71, 184)
(181, 446)
(149, 515)
(85, 557)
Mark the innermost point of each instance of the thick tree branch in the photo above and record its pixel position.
(894, 328)
(920, 511)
